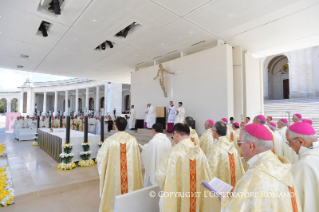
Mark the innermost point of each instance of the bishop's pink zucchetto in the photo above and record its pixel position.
(224, 120)
(284, 121)
(302, 128)
(261, 117)
(211, 122)
(299, 116)
(259, 131)
(236, 124)
(273, 124)
(309, 121)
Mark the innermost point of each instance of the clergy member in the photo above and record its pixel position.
(287, 151)
(145, 117)
(119, 166)
(268, 119)
(193, 134)
(63, 122)
(97, 125)
(180, 113)
(268, 179)
(131, 124)
(279, 144)
(231, 121)
(230, 132)
(297, 118)
(248, 121)
(223, 158)
(152, 153)
(181, 170)
(309, 121)
(171, 116)
(91, 126)
(57, 122)
(206, 140)
(151, 116)
(260, 119)
(73, 123)
(236, 131)
(303, 139)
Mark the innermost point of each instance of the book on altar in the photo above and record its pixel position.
(217, 186)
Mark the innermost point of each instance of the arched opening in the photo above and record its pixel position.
(91, 104)
(14, 105)
(102, 103)
(3, 105)
(278, 78)
(80, 104)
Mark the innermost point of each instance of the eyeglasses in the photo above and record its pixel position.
(239, 143)
(288, 142)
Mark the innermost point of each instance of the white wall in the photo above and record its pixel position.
(203, 82)
(253, 98)
(238, 84)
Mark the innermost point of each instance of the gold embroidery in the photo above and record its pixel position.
(124, 183)
(293, 199)
(192, 170)
(232, 169)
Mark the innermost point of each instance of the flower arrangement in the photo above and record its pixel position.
(35, 142)
(6, 187)
(86, 155)
(3, 151)
(66, 157)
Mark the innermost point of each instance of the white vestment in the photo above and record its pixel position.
(288, 152)
(27, 123)
(91, 126)
(306, 177)
(152, 154)
(145, 118)
(180, 115)
(171, 114)
(279, 144)
(42, 124)
(131, 123)
(151, 116)
(97, 127)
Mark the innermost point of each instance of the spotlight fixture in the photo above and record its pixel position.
(102, 46)
(44, 28)
(123, 33)
(55, 7)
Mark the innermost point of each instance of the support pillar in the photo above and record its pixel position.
(106, 90)
(97, 99)
(44, 102)
(66, 101)
(76, 101)
(87, 98)
(55, 103)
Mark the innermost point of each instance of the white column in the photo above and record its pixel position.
(8, 106)
(21, 102)
(55, 102)
(105, 98)
(44, 102)
(66, 101)
(97, 101)
(29, 102)
(76, 100)
(87, 98)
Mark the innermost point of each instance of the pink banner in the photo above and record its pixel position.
(10, 118)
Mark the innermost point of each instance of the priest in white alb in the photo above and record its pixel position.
(287, 151)
(297, 117)
(119, 166)
(151, 116)
(268, 185)
(223, 157)
(131, 124)
(206, 140)
(180, 173)
(193, 134)
(171, 116)
(180, 113)
(91, 122)
(230, 132)
(303, 139)
(97, 125)
(152, 153)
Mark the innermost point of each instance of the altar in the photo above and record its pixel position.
(26, 134)
(51, 142)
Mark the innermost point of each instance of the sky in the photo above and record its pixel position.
(10, 79)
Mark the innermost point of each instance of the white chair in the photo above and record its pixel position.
(138, 201)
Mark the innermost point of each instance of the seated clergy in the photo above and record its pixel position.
(193, 134)
(181, 171)
(223, 157)
(152, 153)
(303, 140)
(206, 140)
(119, 166)
(268, 185)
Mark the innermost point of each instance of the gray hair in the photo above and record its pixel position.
(285, 124)
(292, 135)
(261, 145)
(260, 121)
(297, 117)
(189, 121)
(272, 127)
(208, 124)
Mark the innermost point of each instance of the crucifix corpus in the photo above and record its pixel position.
(160, 74)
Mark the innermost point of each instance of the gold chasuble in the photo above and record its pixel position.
(193, 135)
(179, 175)
(206, 141)
(119, 166)
(273, 139)
(63, 123)
(81, 125)
(73, 124)
(268, 185)
(225, 162)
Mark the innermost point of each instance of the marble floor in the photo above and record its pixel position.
(38, 184)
